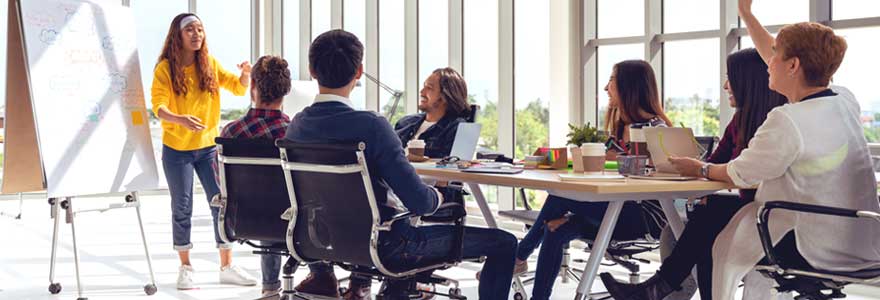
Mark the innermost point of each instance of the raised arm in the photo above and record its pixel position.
(760, 36)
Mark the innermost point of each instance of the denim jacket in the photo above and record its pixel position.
(438, 138)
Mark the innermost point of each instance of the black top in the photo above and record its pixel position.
(438, 138)
(824, 93)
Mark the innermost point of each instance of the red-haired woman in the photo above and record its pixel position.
(186, 97)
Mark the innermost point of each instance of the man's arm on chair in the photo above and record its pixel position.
(395, 169)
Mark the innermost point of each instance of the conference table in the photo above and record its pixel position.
(614, 192)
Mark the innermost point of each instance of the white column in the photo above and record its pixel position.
(589, 63)
(305, 36)
(411, 56)
(336, 13)
(729, 43)
(256, 30)
(372, 53)
(653, 47)
(505, 92)
(561, 63)
(456, 35)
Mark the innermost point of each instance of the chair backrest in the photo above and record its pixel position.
(335, 210)
(253, 187)
(472, 114)
(707, 143)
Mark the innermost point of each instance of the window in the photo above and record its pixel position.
(320, 17)
(608, 56)
(618, 18)
(532, 73)
(355, 21)
(228, 36)
(781, 11)
(690, 15)
(481, 72)
(691, 93)
(433, 37)
(290, 38)
(481, 65)
(853, 74)
(391, 56)
(853, 9)
(152, 19)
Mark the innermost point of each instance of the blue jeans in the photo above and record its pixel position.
(583, 224)
(270, 267)
(422, 245)
(179, 167)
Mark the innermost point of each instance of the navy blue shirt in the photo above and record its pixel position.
(331, 121)
(438, 138)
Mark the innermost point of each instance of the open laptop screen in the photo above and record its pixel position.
(466, 138)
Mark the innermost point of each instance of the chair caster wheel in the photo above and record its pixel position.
(150, 289)
(455, 293)
(518, 296)
(55, 288)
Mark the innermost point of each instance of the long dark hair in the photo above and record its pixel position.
(637, 90)
(173, 52)
(454, 91)
(749, 82)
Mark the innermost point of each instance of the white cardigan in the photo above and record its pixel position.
(815, 152)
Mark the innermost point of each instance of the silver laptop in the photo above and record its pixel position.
(466, 138)
(664, 142)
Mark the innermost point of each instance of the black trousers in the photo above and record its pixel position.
(694, 247)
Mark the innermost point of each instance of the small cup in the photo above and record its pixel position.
(593, 157)
(632, 164)
(416, 148)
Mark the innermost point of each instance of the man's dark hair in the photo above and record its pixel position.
(334, 58)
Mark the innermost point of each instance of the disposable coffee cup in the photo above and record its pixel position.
(416, 148)
(593, 157)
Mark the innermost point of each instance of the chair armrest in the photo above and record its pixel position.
(764, 219)
(217, 201)
(387, 224)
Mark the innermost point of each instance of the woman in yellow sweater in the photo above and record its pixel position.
(186, 97)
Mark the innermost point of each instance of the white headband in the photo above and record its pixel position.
(188, 19)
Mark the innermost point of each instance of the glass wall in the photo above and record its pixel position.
(355, 21)
(861, 60)
(290, 35)
(228, 36)
(691, 93)
(391, 56)
(621, 18)
(532, 75)
(433, 37)
(608, 57)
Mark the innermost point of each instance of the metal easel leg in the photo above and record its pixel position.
(149, 288)
(55, 203)
(71, 218)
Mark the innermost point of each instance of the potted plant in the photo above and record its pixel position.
(587, 147)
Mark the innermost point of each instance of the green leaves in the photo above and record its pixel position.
(579, 135)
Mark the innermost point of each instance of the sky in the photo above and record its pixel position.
(691, 66)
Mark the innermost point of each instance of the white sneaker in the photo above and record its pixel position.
(184, 278)
(235, 275)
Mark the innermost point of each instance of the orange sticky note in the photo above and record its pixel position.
(137, 118)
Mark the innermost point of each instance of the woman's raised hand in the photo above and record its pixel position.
(191, 122)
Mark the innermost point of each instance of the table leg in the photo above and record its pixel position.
(672, 217)
(484, 205)
(597, 252)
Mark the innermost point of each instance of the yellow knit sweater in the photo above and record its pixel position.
(197, 102)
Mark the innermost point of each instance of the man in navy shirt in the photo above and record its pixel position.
(335, 61)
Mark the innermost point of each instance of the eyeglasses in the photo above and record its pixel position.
(449, 160)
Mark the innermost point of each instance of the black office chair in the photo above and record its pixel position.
(706, 145)
(335, 216)
(253, 196)
(472, 114)
(810, 283)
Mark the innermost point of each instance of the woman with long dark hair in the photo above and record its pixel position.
(749, 94)
(632, 89)
(186, 97)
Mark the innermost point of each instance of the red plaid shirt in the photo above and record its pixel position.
(258, 123)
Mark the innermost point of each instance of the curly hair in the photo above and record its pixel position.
(271, 76)
(173, 52)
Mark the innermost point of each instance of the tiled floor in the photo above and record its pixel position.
(113, 264)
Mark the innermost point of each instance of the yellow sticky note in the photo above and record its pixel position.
(137, 118)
